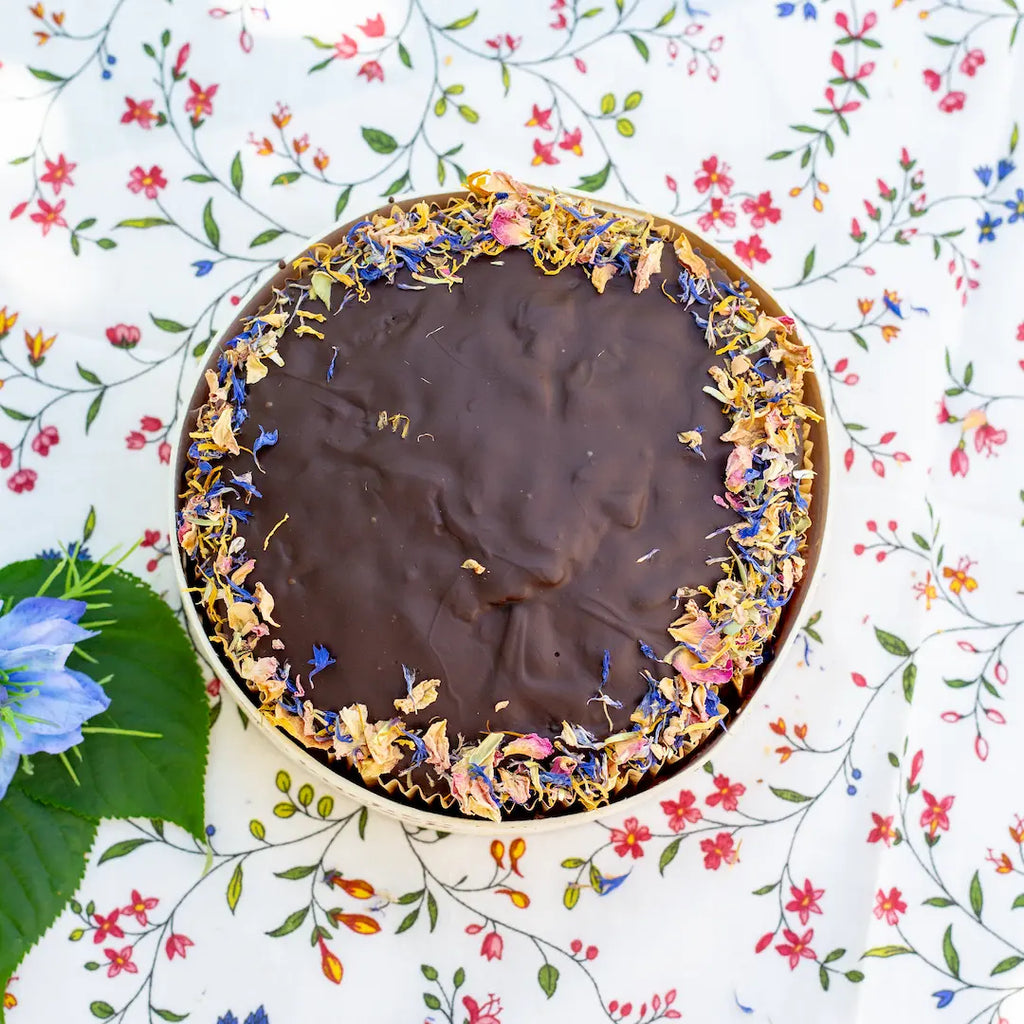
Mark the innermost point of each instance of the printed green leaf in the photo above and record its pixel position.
(921, 542)
(171, 326)
(432, 1001)
(361, 824)
(290, 923)
(506, 78)
(432, 910)
(87, 374)
(169, 1014)
(854, 976)
(19, 160)
(459, 978)
(461, 22)
(283, 781)
(909, 679)
(469, 114)
(641, 46)
(571, 896)
(84, 225)
(237, 174)
(257, 829)
(319, 43)
(265, 236)
(200, 179)
(286, 178)
(958, 684)
(940, 41)
(129, 776)
(607, 103)
(593, 182)
(949, 953)
(836, 954)
(968, 374)
(45, 76)
(106, 243)
(1018, 902)
(547, 978)
(410, 897)
(397, 186)
(100, 1009)
(892, 643)
(668, 854)
(297, 872)
(234, 891)
(894, 760)
(55, 843)
(441, 106)
(765, 889)
(593, 12)
(887, 951)
(430, 973)
(121, 849)
(305, 794)
(625, 127)
(780, 154)
(20, 417)
(403, 55)
(339, 206)
(284, 810)
(1006, 965)
(90, 524)
(666, 17)
(823, 977)
(142, 222)
(633, 100)
(76, 245)
(977, 898)
(379, 141)
(324, 806)
(808, 264)
(210, 225)
(408, 921)
(791, 795)
(94, 410)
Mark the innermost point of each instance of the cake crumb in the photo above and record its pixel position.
(472, 563)
(501, 705)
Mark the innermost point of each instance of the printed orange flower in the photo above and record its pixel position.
(107, 926)
(10, 1001)
(889, 906)
(7, 321)
(142, 113)
(264, 147)
(200, 103)
(681, 811)
(796, 946)
(330, 964)
(37, 10)
(120, 960)
(927, 590)
(519, 899)
(357, 888)
(778, 727)
(38, 346)
(889, 331)
(138, 906)
(958, 578)
(58, 174)
(361, 924)
(1017, 831)
(727, 794)
(49, 216)
(321, 160)
(883, 830)
(1003, 863)
(628, 839)
(281, 116)
(300, 144)
(800, 730)
(936, 812)
(498, 852)
(515, 854)
(865, 306)
(785, 753)
(805, 900)
(719, 850)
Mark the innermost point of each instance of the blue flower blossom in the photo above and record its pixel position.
(785, 10)
(203, 267)
(1016, 206)
(42, 703)
(330, 369)
(984, 175)
(944, 997)
(606, 666)
(987, 226)
(605, 884)
(267, 439)
(810, 12)
(1005, 168)
(77, 552)
(258, 1016)
(320, 660)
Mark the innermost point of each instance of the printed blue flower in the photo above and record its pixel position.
(320, 660)
(203, 267)
(1005, 168)
(984, 175)
(75, 549)
(810, 12)
(258, 1016)
(944, 997)
(785, 10)
(605, 884)
(1016, 206)
(987, 226)
(42, 703)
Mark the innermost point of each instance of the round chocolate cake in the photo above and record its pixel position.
(490, 500)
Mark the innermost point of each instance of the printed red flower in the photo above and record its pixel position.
(847, 108)
(542, 153)
(986, 437)
(107, 926)
(346, 47)
(49, 216)
(213, 687)
(200, 103)
(973, 60)
(176, 945)
(120, 960)
(374, 26)
(45, 440)
(23, 480)
(718, 212)
(935, 815)
(6, 455)
(719, 850)
(150, 181)
(58, 174)
(559, 22)
(681, 811)
(889, 906)
(671, 183)
(164, 451)
(492, 946)
(138, 906)
(752, 249)
(581, 65)
(805, 901)
(486, 1014)
(761, 210)
(123, 335)
(629, 837)
(572, 141)
(726, 793)
(372, 71)
(142, 113)
(540, 118)
(150, 537)
(932, 79)
(715, 174)
(958, 461)
(150, 423)
(883, 830)
(952, 101)
(135, 441)
(179, 65)
(796, 946)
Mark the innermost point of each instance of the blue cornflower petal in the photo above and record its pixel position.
(266, 439)
(944, 997)
(647, 651)
(320, 660)
(203, 267)
(785, 10)
(1004, 168)
(984, 175)
(606, 666)
(810, 12)
(330, 369)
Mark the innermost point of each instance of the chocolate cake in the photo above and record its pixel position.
(489, 500)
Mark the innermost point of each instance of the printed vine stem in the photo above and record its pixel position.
(956, 46)
(964, 387)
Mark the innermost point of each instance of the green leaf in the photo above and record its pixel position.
(257, 829)
(593, 12)
(459, 978)
(430, 973)
(142, 222)
(859, 339)
(130, 776)
(305, 794)
(106, 243)
(894, 760)
(641, 46)
(94, 409)
(607, 103)
(84, 225)
(45, 76)
(909, 679)
(1018, 902)
(921, 542)
(237, 174)
(892, 643)
(823, 977)
(403, 55)
(977, 899)
(286, 178)
(284, 810)
(319, 67)
(87, 374)
(55, 844)
(953, 392)
(324, 806)
(573, 862)
(625, 127)
(765, 889)
(1007, 965)
(958, 684)
(593, 182)
(210, 225)
(234, 891)
(506, 78)
(940, 41)
(836, 954)
(121, 849)
(854, 976)
(76, 245)
(200, 179)
(20, 417)
(397, 186)
(283, 781)
(410, 897)
(461, 22)
(806, 158)
(19, 160)
(780, 154)
(90, 524)
(408, 921)
(265, 236)
(298, 872)
(100, 1009)
(363, 815)
(1015, 134)
(808, 264)
(668, 855)
(378, 141)
(887, 951)
(968, 374)
(169, 1014)
(441, 106)
(432, 910)
(571, 896)
(949, 953)
(469, 114)
(432, 1001)
(319, 43)
(290, 923)
(633, 100)
(165, 38)
(339, 206)
(666, 17)
(791, 795)
(171, 326)
(547, 978)
(829, 143)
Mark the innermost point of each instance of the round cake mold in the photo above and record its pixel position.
(641, 788)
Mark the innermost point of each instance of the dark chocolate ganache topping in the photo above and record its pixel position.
(529, 425)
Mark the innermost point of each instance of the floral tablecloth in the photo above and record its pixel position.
(860, 857)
